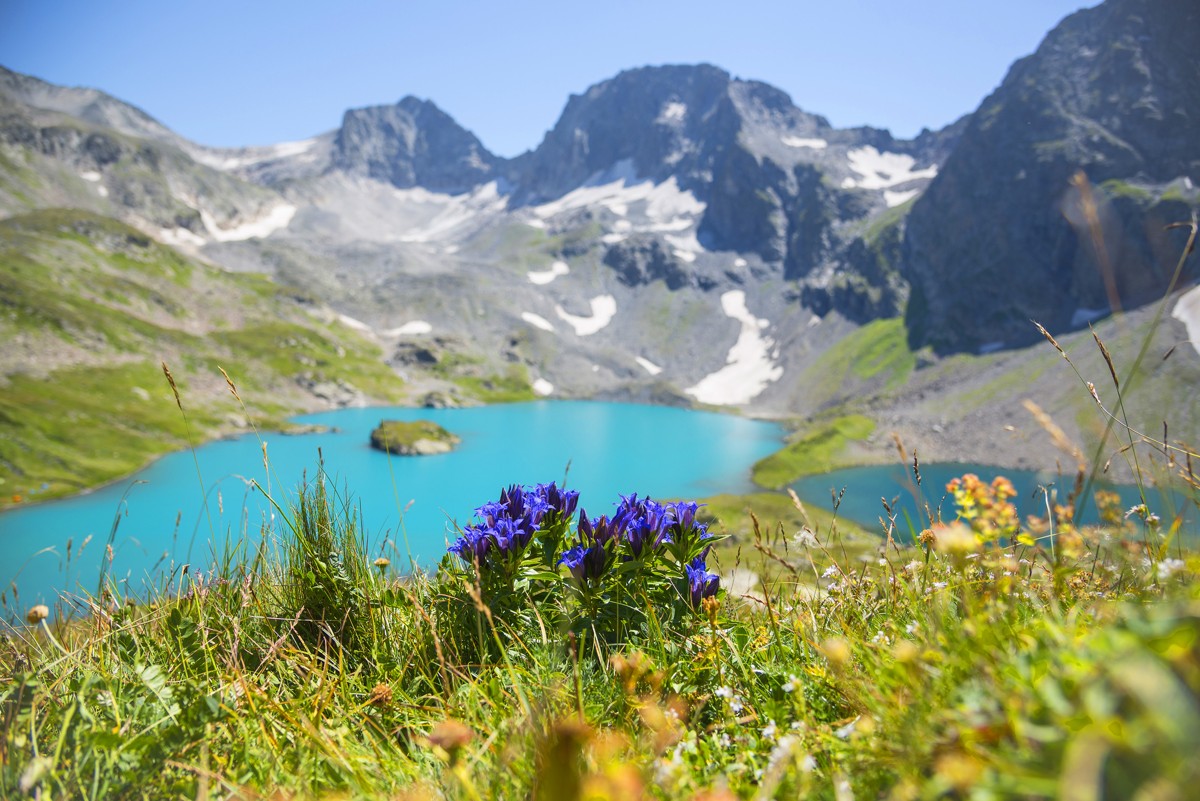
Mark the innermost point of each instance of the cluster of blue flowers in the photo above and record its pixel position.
(641, 531)
(510, 523)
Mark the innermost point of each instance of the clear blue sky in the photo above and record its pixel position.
(262, 71)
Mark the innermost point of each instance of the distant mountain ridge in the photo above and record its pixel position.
(678, 229)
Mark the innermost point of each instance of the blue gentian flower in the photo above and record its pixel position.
(586, 563)
(646, 524)
(701, 582)
(473, 545)
(508, 525)
(592, 555)
(561, 501)
(601, 529)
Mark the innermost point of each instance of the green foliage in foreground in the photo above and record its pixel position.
(820, 446)
(961, 667)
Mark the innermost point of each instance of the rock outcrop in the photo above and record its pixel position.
(1007, 232)
(412, 438)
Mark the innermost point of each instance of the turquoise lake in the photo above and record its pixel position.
(407, 504)
(866, 486)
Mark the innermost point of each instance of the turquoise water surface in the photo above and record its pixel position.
(866, 486)
(407, 504)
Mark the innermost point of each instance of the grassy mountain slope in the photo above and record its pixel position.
(90, 308)
(870, 386)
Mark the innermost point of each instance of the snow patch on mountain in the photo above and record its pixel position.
(672, 112)
(619, 190)
(647, 365)
(90, 175)
(537, 321)
(685, 247)
(274, 220)
(546, 276)
(444, 213)
(800, 141)
(1187, 311)
(893, 199)
(543, 387)
(411, 328)
(883, 170)
(248, 157)
(748, 367)
(604, 309)
(180, 237)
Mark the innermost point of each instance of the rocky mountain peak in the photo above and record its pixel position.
(661, 119)
(412, 143)
(1112, 93)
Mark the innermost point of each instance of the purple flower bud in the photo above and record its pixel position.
(701, 583)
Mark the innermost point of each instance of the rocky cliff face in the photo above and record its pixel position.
(1052, 205)
(410, 144)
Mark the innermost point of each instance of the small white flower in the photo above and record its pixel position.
(724, 692)
(911, 628)
(806, 539)
(735, 706)
(1168, 567)
(913, 566)
(783, 749)
(808, 764)
(723, 740)
(769, 730)
(792, 683)
(830, 571)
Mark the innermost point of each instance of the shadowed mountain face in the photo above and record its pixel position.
(680, 234)
(1112, 95)
(413, 143)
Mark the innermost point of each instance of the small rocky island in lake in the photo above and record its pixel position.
(416, 438)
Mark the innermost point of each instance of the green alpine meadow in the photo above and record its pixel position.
(819, 424)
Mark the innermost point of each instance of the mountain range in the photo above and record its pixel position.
(682, 235)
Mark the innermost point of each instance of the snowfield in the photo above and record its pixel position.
(748, 367)
(411, 328)
(893, 199)
(250, 156)
(799, 141)
(537, 321)
(882, 170)
(647, 365)
(444, 213)
(604, 308)
(672, 112)
(617, 189)
(544, 277)
(274, 220)
(1187, 311)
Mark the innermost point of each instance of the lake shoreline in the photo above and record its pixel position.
(878, 449)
